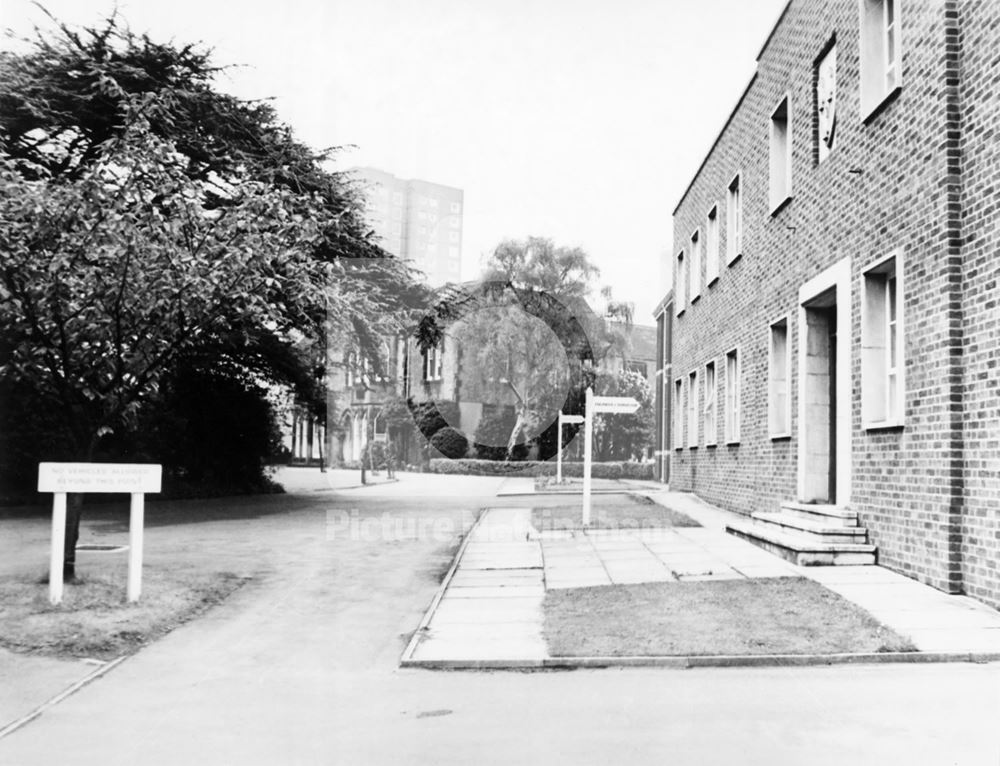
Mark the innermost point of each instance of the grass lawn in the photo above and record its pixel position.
(782, 615)
(621, 512)
(94, 619)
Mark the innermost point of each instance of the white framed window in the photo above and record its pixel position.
(456, 207)
(734, 220)
(349, 370)
(455, 223)
(434, 362)
(882, 344)
(826, 102)
(453, 236)
(453, 252)
(709, 423)
(733, 386)
(692, 409)
(712, 246)
(694, 267)
(678, 418)
(781, 154)
(680, 284)
(881, 53)
(779, 400)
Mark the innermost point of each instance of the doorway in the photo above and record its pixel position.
(824, 387)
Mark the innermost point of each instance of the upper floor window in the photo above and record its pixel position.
(680, 283)
(781, 154)
(712, 246)
(734, 220)
(694, 268)
(456, 207)
(881, 64)
(882, 349)
(826, 103)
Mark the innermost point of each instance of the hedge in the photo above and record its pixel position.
(471, 467)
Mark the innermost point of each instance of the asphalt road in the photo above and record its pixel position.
(300, 667)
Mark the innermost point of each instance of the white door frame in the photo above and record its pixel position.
(837, 276)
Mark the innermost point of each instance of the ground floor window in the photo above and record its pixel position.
(882, 387)
(733, 397)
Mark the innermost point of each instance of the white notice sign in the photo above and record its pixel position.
(624, 405)
(99, 477)
(571, 419)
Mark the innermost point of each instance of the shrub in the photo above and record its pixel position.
(450, 442)
(472, 467)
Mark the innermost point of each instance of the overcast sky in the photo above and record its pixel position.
(580, 120)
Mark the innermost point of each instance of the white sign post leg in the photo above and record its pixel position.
(559, 451)
(58, 545)
(135, 546)
(588, 438)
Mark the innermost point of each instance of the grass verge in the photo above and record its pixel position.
(630, 512)
(782, 615)
(94, 619)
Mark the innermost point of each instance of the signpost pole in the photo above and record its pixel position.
(559, 451)
(588, 438)
(135, 523)
(58, 543)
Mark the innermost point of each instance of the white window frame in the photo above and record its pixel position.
(678, 414)
(710, 408)
(712, 245)
(434, 363)
(780, 155)
(734, 219)
(692, 409)
(785, 412)
(881, 50)
(734, 385)
(694, 267)
(680, 283)
(883, 384)
(828, 58)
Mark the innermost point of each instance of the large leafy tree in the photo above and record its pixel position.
(148, 220)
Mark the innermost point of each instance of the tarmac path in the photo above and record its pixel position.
(301, 667)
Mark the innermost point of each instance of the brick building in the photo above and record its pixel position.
(835, 331)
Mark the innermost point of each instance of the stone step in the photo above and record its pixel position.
(829, 514)
(800, 549)
(821, 530)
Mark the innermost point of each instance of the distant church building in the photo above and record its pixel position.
(835, 332)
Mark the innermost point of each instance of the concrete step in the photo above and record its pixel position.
(828, 514)
(820, 530)
(801, 549)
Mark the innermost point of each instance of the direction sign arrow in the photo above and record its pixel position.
(568, 419)
(624, 405)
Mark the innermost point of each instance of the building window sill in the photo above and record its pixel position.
(695, 299)
(885, 425)
(781, 206)
(880, 106)
(781, 437)
(733, 443)
(712, 281)
(712, 444)
(730, 260)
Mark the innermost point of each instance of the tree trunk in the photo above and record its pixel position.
(74, 511)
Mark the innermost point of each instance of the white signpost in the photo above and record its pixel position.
(564, 420)
(620, 405)
(132, 478)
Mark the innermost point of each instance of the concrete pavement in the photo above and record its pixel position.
(490, 611)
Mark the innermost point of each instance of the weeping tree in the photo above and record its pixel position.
(532, 335)
(148, 220)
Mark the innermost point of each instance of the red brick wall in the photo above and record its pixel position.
(891, 183)
(980, 227)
